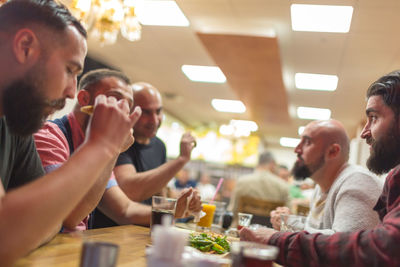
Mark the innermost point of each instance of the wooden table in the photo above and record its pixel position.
(64, 250)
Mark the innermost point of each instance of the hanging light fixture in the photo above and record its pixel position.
(104, 19)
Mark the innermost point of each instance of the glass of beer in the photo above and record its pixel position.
(244, 220)
(161, 206)
(250, 254)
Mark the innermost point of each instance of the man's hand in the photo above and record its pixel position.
(261, 235)
(181, 203)
(188, 142)
(276, 216)
(111, 124)
(129, 140)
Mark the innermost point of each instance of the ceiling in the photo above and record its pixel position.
(236, 36)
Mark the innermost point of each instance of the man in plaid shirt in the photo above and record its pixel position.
(379, 246)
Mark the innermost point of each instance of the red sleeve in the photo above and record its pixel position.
(52, 146)
(376, 247)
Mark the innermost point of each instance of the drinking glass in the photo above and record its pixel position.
(292, 223)
(250, 254)
(161, 206)
(206, 220)
(244, 220)
(220, 208)
(101, 254)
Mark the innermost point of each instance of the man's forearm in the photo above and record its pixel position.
(91, 199)
(117, 206)
(36, 209)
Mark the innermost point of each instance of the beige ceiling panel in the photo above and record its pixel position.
(252, 68)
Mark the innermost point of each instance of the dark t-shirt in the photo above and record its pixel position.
(19, 160)
(144, 158)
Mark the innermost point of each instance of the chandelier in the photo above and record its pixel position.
(104, 19)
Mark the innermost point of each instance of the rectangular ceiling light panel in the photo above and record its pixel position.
(310, 81)
(321, 18)
(289, 142)
(244, 124)
(160, 13)
(313, 113)
(232, 106)
(209, 74)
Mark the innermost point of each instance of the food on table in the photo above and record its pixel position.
(87, 109)
(209, 242)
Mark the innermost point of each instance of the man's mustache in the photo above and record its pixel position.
(56, 104)
(370, 141)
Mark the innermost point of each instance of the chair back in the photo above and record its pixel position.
(257, 206)
(303, 210)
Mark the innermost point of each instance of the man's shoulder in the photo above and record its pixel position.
(50, 130)
(157, 141)
(8, 137)
(358, 177)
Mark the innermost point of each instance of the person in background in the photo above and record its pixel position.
(42, 50)
(205, 188)
(283, 172)
(142, 170)
(181, 182)
(58, 140)
(261, 184)
(345, 194)
(374, 247)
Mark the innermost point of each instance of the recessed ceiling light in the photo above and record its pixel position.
(321, 18)
(160, 13)
(233, 106)
(310, 81)
(209, 74)
(289, 142)
(301, 129)
(313, 113)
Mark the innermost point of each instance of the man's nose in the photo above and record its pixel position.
(70, 90)
(366, 132)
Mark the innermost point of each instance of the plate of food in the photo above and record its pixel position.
(210, 243)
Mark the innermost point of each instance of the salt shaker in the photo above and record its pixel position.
(168, 245)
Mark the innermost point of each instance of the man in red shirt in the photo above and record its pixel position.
(375, 247)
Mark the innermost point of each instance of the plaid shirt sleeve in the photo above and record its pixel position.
(376, 247)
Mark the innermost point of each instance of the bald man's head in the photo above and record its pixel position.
(331, 132)
(320, 141)
(148, 98)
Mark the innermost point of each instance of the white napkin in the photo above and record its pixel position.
(197, 215)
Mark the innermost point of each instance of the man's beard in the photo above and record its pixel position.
(301, 171)
(385, 152)
(25, 107)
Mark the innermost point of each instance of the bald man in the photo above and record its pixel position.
(142, 170)
(345, 194)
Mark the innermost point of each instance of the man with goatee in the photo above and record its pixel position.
(345, 194)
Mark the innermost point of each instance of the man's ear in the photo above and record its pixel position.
(333, 151)
(83, 98)
(26, 46)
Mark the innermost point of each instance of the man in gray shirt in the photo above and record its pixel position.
(345, 194)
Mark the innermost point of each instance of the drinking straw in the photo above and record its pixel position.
(217, 189)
